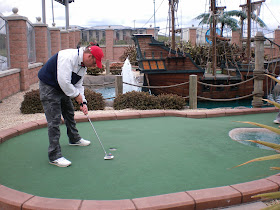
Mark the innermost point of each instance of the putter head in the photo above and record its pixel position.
(109, 157)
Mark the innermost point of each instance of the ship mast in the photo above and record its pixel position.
(172, 6)
(213, 36)
(249, 16)
(249, 9)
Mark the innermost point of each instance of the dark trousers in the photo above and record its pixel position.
(55, 104)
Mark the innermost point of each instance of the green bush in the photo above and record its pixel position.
(116, 68)
(171, 101)
(143, 101)
(130, 52)
(95, 101)
(136, 100)
(95, 70)
(31, 103)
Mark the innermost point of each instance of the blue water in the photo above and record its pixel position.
(213, 104)
(107, 93)
(261, 136)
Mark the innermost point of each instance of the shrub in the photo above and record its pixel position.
(116, 68)
(31, 103)
(130, 52)
(143, 101)
(136, 100)
(171, 101)
(95, 70)
(95, 101)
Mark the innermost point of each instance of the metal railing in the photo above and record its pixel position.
(4, 45)
(49, 43)
(31, 43)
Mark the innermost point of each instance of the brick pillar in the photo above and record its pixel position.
(235, 39)
(192, 36)
(64, 39)
(109, 44)
(150, 31)
(18, 46)
(41, 42)
(55, 40)
(277, 39)
(72, 43)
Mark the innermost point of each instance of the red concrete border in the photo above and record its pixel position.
(215, 197)
(196, 199)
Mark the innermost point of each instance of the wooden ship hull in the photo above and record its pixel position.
(162, 66)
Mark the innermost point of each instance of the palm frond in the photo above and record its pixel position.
(273, 129)
(272, 77)
(270, 157)
(267, 144)
(272, 102)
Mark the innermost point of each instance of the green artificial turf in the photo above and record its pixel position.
(153, 156)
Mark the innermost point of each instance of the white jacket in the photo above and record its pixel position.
(69, 61)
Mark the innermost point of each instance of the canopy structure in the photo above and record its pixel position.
(63, 2)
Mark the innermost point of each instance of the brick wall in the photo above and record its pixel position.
(109, 44)
(64, 39)
(41, 42)
(117, 52)
(192, 34)
(9, 83)
(277, 39)
(55, 40)
(72, 41)
(18, 49)
(21, 75)
(236, 38)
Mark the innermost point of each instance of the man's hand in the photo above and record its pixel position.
(84, 109)
(79, 99)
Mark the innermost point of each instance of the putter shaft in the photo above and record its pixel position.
(97, 136)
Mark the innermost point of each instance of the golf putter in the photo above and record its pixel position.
(107, 156)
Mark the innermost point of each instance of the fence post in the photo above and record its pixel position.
(64, 39)
(18, 46)
(55, 40)
(72, 41)
(193, 92)
(41, 41)
(118, 85)
(258, 71)
(107, 65)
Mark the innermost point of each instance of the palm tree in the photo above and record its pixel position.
(223, 20)
(243, 16)
(227, 20)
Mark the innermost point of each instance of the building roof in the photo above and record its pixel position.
(114, 27)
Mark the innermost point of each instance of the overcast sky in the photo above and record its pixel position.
(138, 13)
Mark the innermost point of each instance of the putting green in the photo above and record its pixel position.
(153, 156)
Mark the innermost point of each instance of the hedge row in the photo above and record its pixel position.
(135, 100)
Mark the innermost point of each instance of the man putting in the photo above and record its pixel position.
(61, 79)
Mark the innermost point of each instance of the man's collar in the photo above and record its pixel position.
(80, 57)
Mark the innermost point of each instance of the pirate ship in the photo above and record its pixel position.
(167, 70)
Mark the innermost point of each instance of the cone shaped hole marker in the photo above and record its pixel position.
(107, 156)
